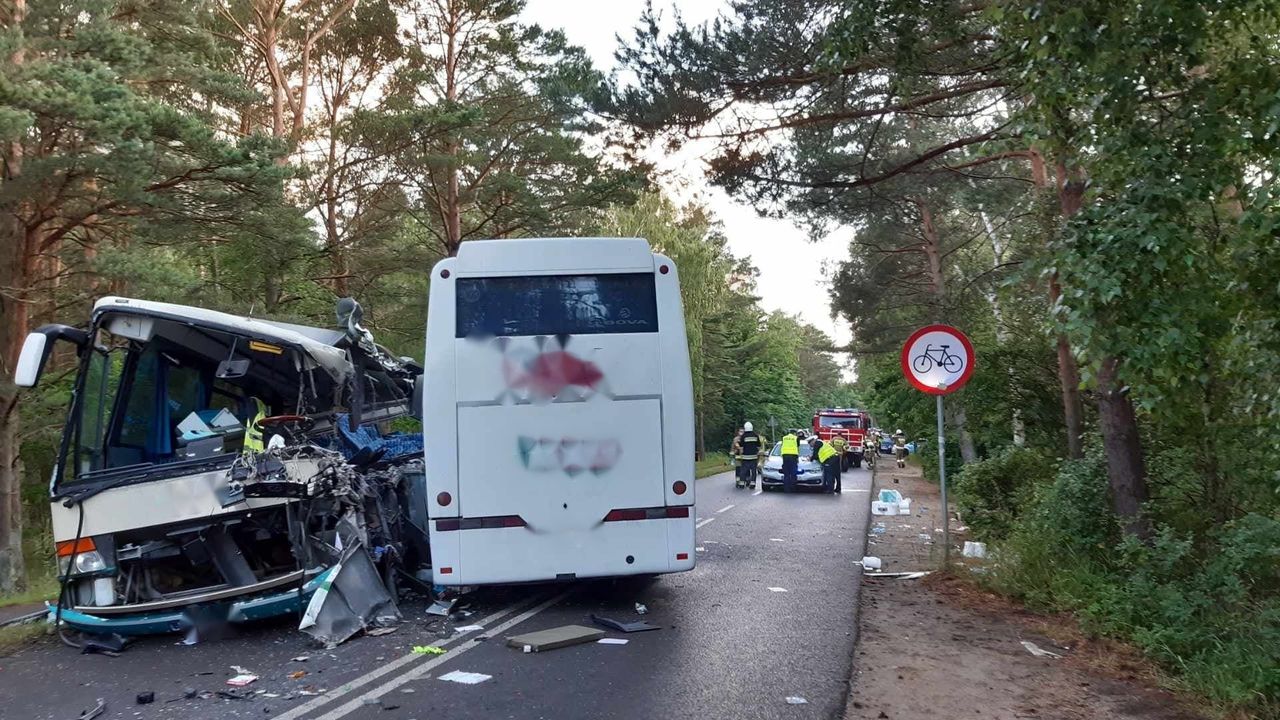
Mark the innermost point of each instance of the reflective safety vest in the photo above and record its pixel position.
(749, 446)
(252, 433)
(838, 442)
(790, 445)
(826, 452)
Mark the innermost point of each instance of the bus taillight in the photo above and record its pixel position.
(678, 487)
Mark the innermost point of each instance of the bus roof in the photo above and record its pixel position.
(553, 255)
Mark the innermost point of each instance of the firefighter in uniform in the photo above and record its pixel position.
(870, 447)
(900, 448)
(748, 456)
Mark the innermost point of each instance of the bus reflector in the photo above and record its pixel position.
(484, 523)
(682, 556)
(71, 547)
(443, 499)
(678, 487)
(658, 513)
(446, 571)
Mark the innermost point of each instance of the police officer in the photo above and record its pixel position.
(748, 456)
(790, 461)
(827, 458)
(840, 445)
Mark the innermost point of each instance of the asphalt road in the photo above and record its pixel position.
(730, 646)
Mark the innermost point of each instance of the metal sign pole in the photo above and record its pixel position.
(942, 480)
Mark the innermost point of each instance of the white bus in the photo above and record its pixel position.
(558, 413)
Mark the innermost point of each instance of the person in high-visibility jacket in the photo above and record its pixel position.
(827, 458)
(839, 444)
(900, 448)
(252, 433)
(790, 461)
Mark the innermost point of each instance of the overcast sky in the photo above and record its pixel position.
(791, 267)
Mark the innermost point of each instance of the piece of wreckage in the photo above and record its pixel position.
(219, 469)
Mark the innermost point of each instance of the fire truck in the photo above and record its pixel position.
(849, 423)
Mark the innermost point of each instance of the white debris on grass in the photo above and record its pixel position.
(1039, 651)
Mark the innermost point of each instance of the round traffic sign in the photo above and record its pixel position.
(937, 359)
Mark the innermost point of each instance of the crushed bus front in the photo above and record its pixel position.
(219, 469)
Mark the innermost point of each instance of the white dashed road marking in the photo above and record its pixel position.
(726, 507)
(702, 522)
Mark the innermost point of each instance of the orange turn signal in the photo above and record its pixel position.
(72, 547)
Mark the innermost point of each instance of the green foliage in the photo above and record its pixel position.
(991, 493)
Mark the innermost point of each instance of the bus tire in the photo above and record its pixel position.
(857, 462)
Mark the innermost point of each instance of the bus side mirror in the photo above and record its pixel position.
(37, 348)
(415, 402)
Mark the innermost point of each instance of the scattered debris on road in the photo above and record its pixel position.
(626, 627)
(975, 549)
(378, 632)
(466, 678)
(91, 714)
(870, 562)
(428, 650)
(241, 680)
(613, 641)
(777, 589)
(146, 698)
(554, 638)
(442, 607)
(641, 609)
(796, 700)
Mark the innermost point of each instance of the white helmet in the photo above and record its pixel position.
(899, 432)
(747, 426)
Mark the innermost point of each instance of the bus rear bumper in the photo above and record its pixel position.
(518, 555)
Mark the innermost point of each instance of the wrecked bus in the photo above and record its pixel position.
(226, 468)
(561, 445)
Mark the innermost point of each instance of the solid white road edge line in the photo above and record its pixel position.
(355, 684)
(702, 522)
(726, 507)
(417, 672)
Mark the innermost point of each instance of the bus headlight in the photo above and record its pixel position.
(89, 562)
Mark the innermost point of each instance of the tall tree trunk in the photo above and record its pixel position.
(1126, 470)
(1068, 370)
(968, 452)
(1002, 330)
(453, 206)
(15, 253)
(1125, 467)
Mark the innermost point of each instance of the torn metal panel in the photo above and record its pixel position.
(353, 599)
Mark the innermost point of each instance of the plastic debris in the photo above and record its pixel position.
(375, 632)
(466, 678)
(428, 650)
(297, 674)
(626, 627)
(241, 680)
(890, 496)
(231, 695)
(884, 508)
(777, 589)
(146, 698)
(975, 549)
(878, 530)
(1039, 651)
(776, 540)
(613, 641)
(796, 700)
(870, 562)
(641, 609)
(442, 607)
(468, 628)
(302, 658)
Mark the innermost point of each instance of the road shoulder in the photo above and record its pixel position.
(939, 646)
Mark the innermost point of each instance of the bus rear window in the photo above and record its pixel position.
(557, 304)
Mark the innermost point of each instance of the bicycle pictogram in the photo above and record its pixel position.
(940, 356)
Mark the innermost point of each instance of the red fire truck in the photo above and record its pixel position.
(851, 424)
